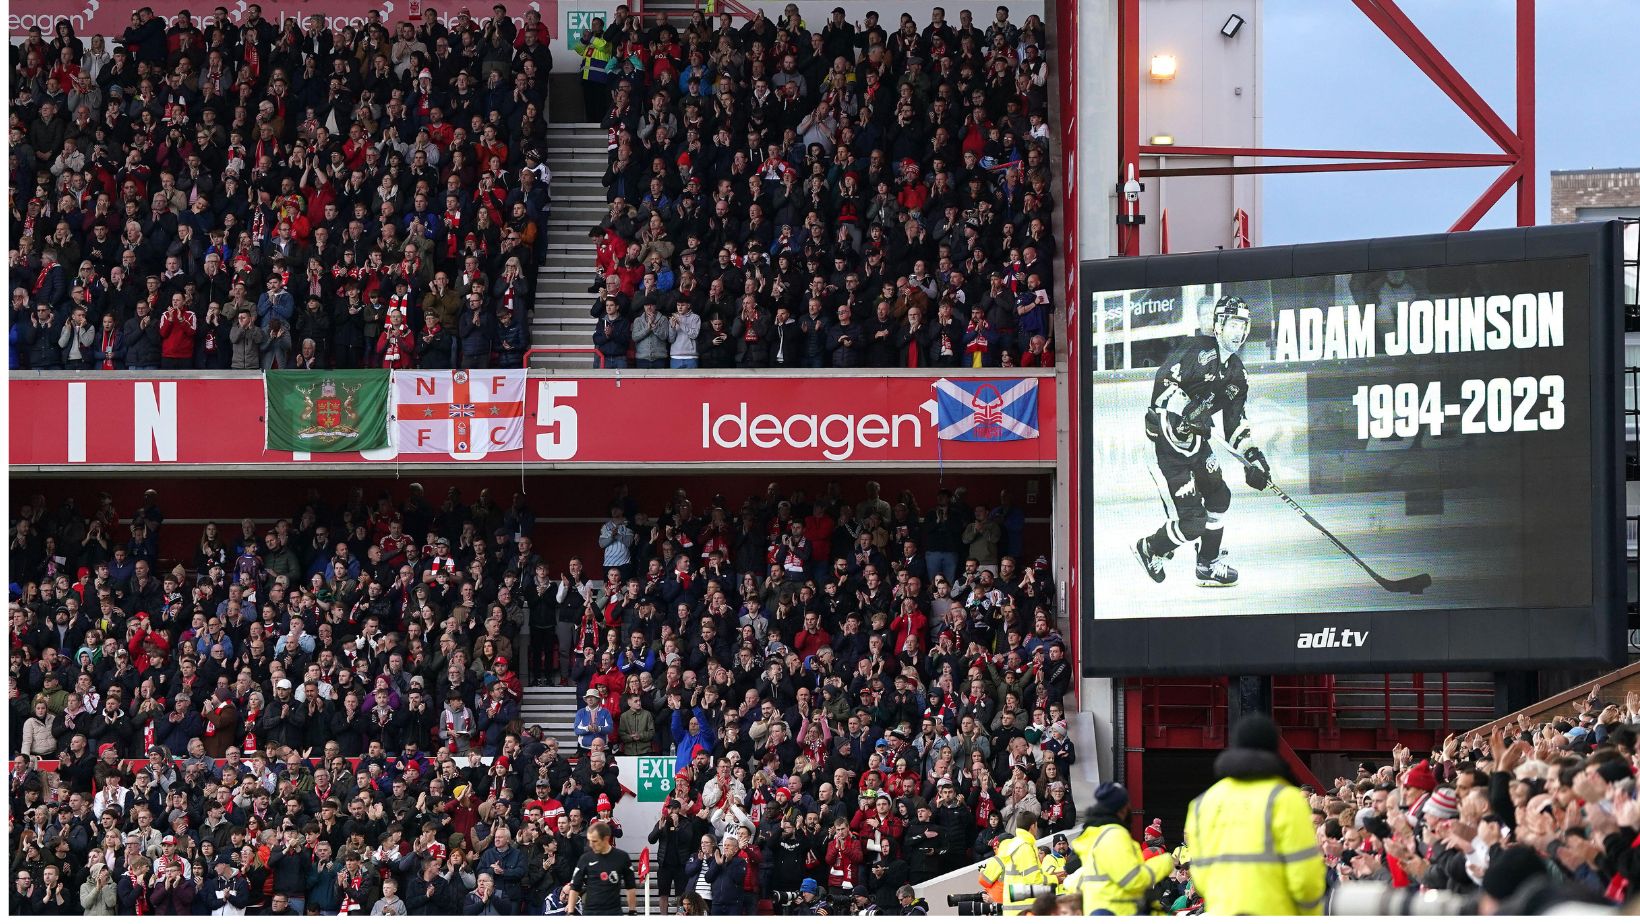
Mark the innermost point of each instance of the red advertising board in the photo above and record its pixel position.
(604, 421)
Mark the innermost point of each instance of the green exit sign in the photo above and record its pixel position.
(578, 21)
(655, 778)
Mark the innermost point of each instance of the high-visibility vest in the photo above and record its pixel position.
(1115, 874)
(1052, 866)
(990, 879)
(594, 66)
(1253, 849)
(1020, 871)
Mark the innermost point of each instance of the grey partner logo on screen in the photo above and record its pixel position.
(1333, 638)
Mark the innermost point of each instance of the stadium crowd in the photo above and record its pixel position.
(1532, 814)
(1531, 818)
(822, 193)
(255, 195)
(321, 714)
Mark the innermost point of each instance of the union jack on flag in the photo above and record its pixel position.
(986, 411)
(461, 410)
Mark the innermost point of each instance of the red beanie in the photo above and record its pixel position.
(1421, 776)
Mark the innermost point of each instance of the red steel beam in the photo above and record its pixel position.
(1518, 144)
(1489, 198)
(1133, 756)
(1417, 47)
(1127, 88)
(1210, 151)
(1251, 169)
(1526, 110)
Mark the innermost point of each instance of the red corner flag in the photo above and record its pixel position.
(643, 863)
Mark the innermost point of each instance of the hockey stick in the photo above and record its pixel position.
(1416, 584)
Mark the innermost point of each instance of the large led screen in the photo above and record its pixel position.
(1406, 458)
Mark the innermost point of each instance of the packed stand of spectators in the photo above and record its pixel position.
(257, 196)
(323, 713)
(1533, 815)
(798, 193)
(1532, 818)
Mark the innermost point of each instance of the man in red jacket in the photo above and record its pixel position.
(844, 853)
(178, 328)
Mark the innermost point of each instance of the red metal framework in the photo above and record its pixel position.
(1194, 712)
(1517, 145)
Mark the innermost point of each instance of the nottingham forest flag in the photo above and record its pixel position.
(341, 411)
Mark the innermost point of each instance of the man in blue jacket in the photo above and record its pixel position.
(697, 732)
(498, 711)
(593, 721)
(726, 871)
(505, 862)
(226, 892)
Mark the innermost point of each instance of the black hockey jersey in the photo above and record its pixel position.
(1192, 385)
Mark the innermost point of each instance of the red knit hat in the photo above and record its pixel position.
(1154, 830)
(1421, 776)
(603, 802)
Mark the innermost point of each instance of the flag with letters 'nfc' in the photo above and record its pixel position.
(986, 410)
(460, 410)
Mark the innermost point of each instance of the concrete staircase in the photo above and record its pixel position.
(577, 153)
(678, 11)
(553, 708)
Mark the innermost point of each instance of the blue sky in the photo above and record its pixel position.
(1332, 80)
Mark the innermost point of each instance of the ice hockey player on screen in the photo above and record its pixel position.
(1203, 376)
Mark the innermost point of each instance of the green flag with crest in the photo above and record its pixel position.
(338, 411)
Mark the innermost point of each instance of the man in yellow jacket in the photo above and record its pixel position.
(595, 52)
(1021, 868)
(1114, 876)
(990, 878)
(1253, 848)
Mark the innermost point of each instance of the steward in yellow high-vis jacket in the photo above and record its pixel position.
(1253, 848)
(1115, 876)
(1021, 868)
(595, 53)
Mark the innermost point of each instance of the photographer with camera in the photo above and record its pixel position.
(806, 901)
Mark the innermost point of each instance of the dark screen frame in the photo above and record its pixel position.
(1399, 640)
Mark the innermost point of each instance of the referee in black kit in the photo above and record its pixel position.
(600, 876)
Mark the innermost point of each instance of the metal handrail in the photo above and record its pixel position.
(570, 350)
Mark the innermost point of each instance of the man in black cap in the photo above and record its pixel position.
(1253, 848)
(1114, 876)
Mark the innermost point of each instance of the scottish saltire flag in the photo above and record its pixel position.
(986, 411)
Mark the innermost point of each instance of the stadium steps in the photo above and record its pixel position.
(677, 10)
(553, 708)
(1470, 697)
(577, 154)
